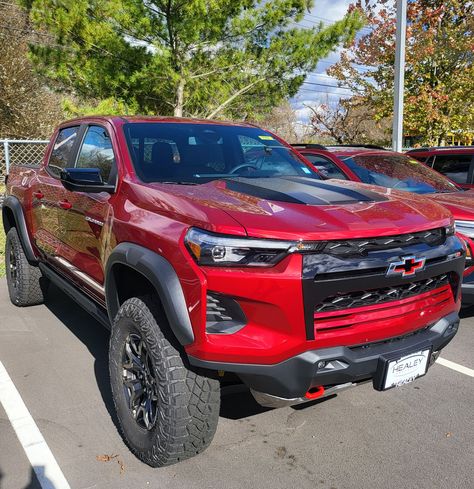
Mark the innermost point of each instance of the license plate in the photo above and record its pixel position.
(406, 369)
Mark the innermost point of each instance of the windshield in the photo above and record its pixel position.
(198, 153)
(399, 172)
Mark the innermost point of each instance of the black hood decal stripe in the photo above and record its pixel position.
(267, 193)
(300, 190)
(368, 195)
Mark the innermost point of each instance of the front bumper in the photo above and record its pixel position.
(344, 366)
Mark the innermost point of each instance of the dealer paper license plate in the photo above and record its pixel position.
(406, 369)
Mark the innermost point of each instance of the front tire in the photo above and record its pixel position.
(166, 411)
(26, 285)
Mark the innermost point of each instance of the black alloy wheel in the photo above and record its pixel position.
(139, 382)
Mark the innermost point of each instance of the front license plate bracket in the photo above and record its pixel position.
(402, 368)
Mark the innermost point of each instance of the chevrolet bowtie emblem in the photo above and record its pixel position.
(407, 266)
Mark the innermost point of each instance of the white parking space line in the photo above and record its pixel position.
(456, 366)
(40, 456)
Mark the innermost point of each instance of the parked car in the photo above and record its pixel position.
(378, 166)
(213, 250)
(456, 162)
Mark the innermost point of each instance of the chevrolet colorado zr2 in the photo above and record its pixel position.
(213, 249)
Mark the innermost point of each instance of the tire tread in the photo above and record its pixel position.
(189, 402)
(31, 289)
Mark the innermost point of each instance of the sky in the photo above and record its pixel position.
(325, 11)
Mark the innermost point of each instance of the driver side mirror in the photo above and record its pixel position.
(85, 180)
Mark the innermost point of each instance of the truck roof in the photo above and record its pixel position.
(117, 120)
(345, 150)
(442, 150)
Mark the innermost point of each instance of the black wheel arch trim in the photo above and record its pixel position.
(159, 271)
(14, 205)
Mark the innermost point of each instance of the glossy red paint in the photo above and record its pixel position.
(157, 216)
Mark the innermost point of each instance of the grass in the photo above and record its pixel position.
(2, 240)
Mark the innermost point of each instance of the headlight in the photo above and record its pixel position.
(229, 251)
(466, 228)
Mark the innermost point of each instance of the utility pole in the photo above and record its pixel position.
(397, 131)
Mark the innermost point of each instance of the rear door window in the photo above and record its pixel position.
(327, 168)
(61, 156)
(455, 167)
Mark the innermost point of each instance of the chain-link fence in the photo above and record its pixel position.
(20, 152)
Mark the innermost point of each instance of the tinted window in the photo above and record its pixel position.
(198, 153)
(455, 167)
(97, 152)
(61, 153)
(326, 167)
(400, 172)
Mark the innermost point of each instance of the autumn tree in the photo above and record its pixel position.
(439, 74)
(282, 121)
(210, 58)
(349, 121)
(27, 108)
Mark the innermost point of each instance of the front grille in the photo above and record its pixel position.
(433, 237)
(378, 296)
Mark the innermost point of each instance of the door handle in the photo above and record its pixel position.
(65, 204)
(38, 195)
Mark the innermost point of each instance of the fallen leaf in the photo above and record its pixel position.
(448, 434)
(105, 458)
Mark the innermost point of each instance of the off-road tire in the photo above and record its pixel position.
(188, 402)
(26, 285)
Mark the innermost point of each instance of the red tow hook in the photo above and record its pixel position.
(315, 392)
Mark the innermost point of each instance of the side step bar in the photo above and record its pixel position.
(82, 299)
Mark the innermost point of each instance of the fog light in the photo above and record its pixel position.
(223, 314)
(331, 365)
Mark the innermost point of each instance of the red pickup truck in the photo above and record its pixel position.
(213, 251)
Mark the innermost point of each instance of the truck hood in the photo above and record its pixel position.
(309, 209)
(461, 204)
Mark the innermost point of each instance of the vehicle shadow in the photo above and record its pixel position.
(34, 480)
(466, 312)
(236, 400)
(91, 333)
(34, 483)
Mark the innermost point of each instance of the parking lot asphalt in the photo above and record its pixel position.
(417, 436)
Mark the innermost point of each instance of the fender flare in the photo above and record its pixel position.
(14, 205)
(164, 279)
